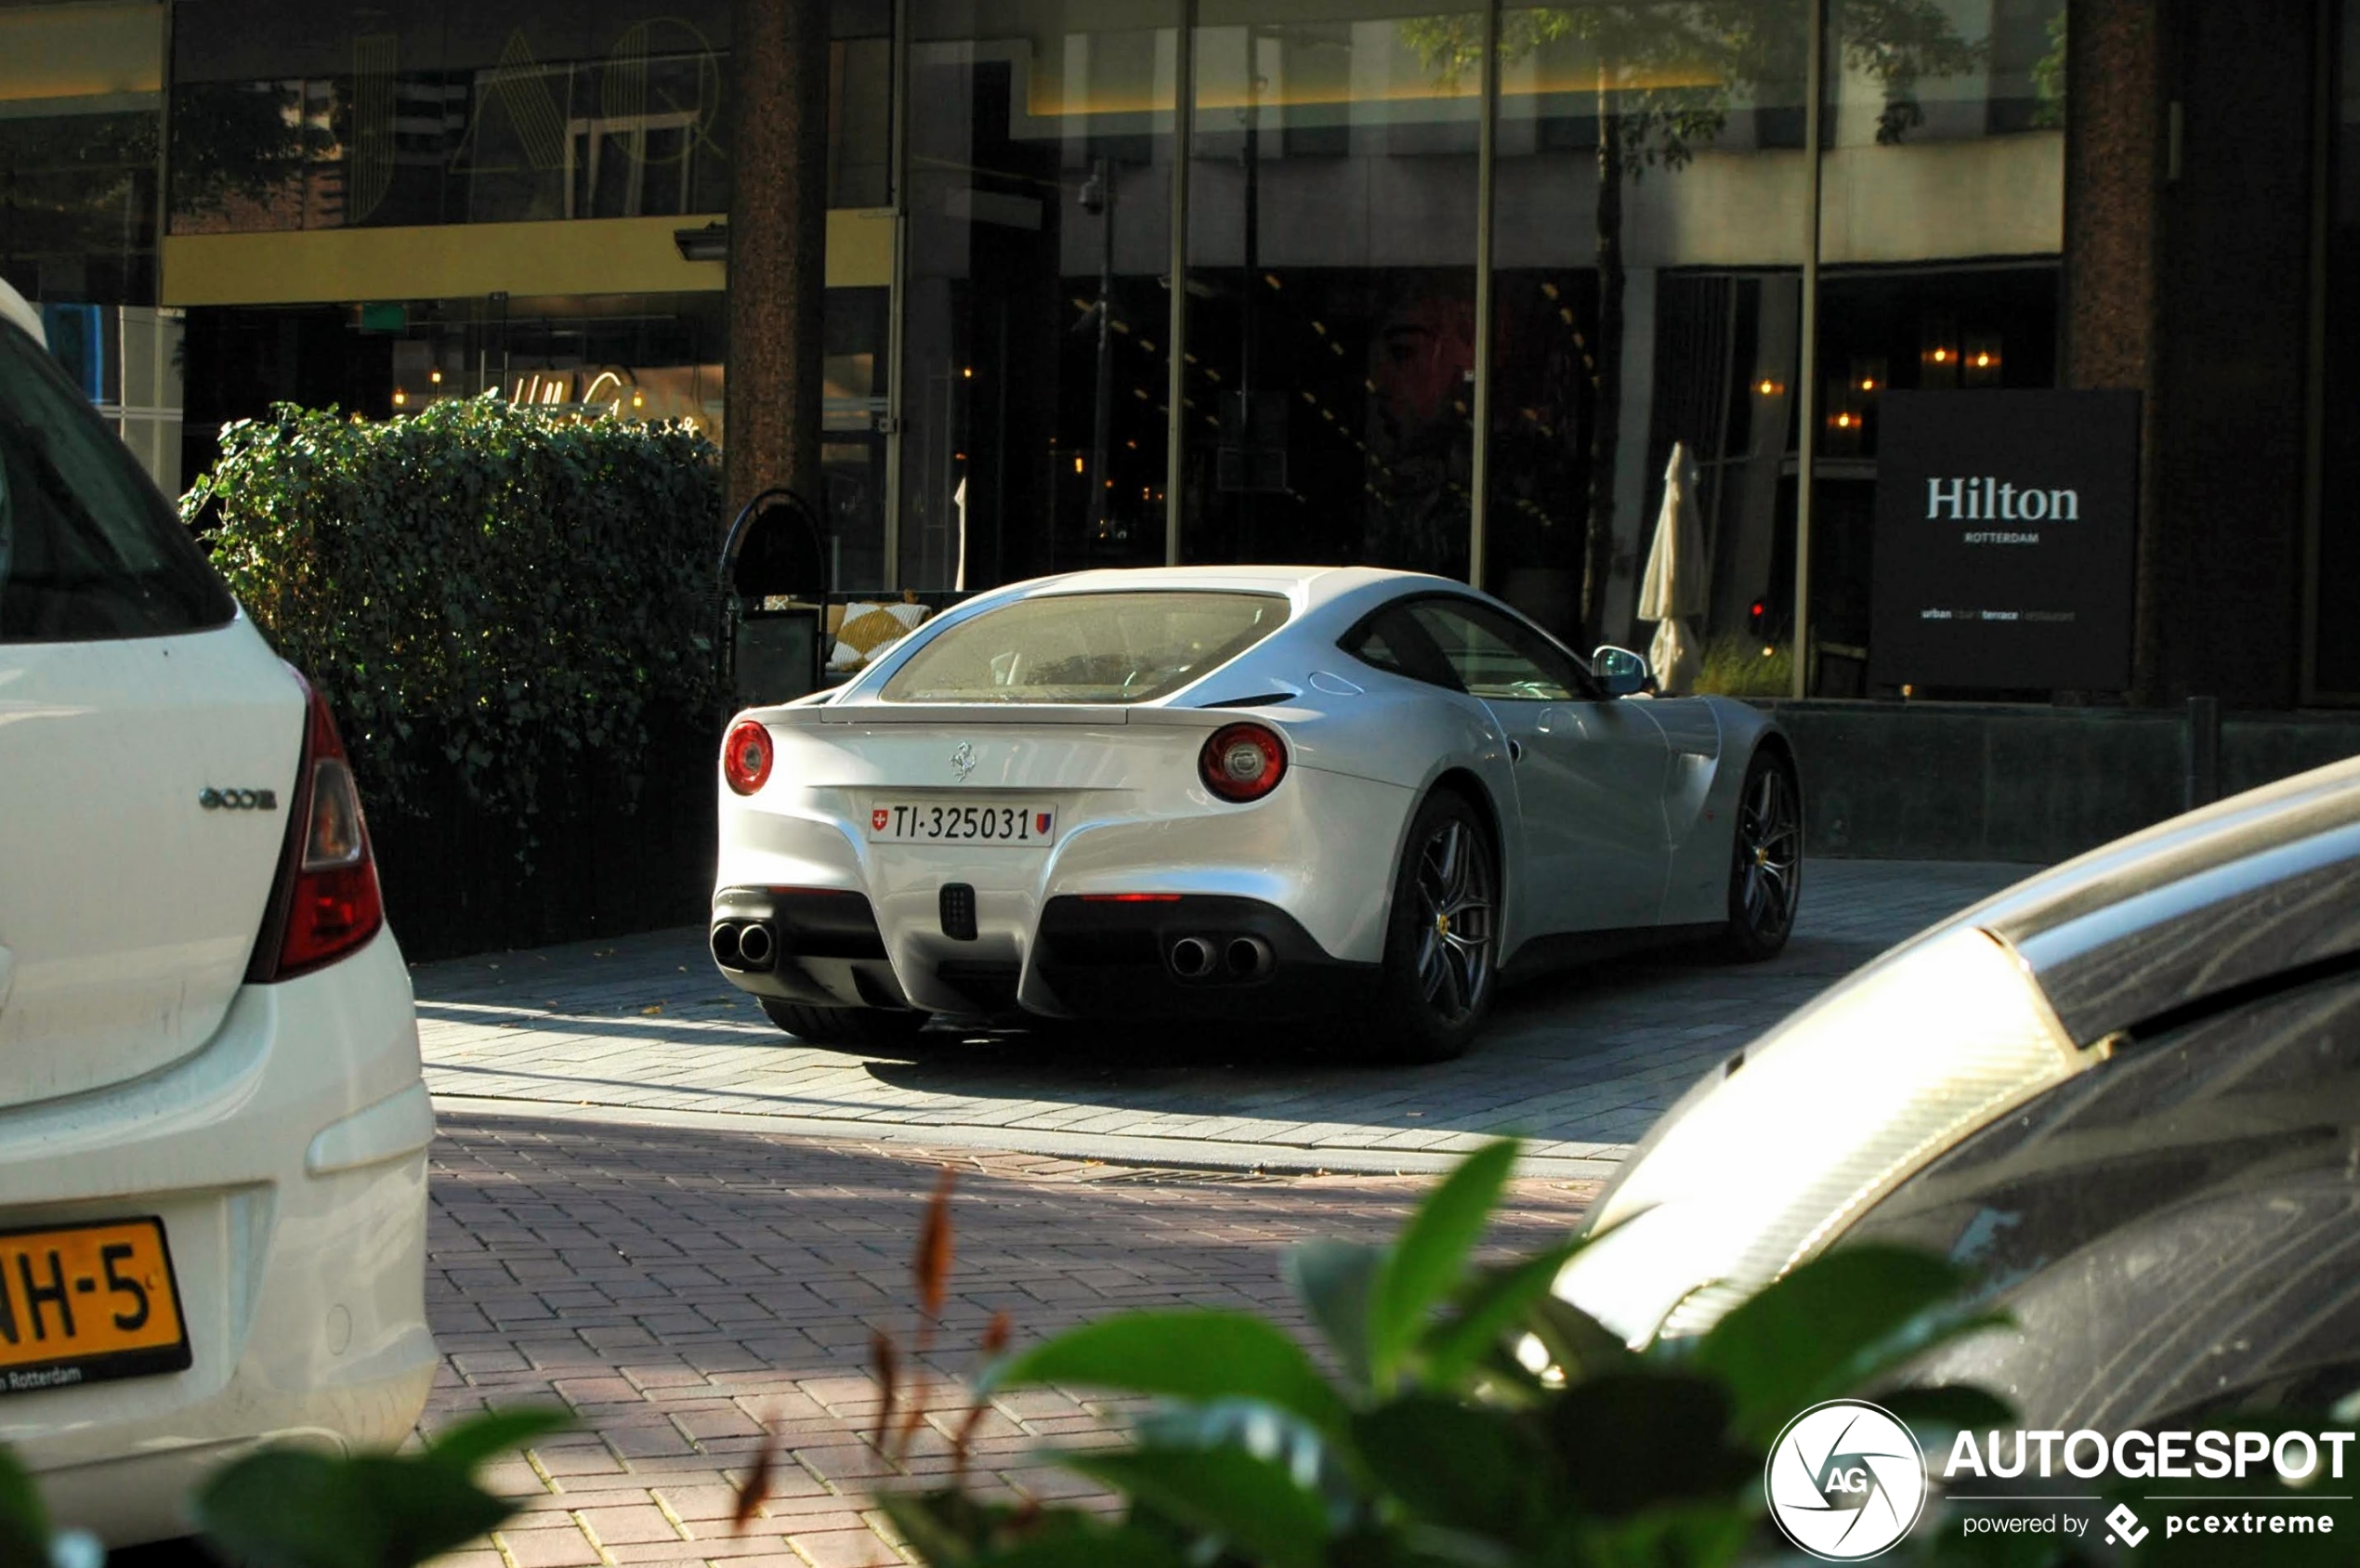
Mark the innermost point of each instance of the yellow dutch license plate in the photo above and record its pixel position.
(83, 1303)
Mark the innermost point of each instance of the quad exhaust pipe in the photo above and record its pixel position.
(1216, 958)
(743, 947)
(1191, 958)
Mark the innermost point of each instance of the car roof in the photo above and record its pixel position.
(1308, 586)
(2262, 883)
(13, 308)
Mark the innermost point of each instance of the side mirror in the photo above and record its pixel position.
(1620, 672)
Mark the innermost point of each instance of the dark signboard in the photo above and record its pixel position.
(2003, 542)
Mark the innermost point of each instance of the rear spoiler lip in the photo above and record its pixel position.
(985, 717)
(974, 712)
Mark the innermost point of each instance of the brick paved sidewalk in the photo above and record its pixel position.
(1580, 1064)
(680, 1290)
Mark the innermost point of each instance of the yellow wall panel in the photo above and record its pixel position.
(465, 261)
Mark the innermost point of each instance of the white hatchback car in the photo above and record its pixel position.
(212, 1130)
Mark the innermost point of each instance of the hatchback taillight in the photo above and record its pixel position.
(745, 756)
(1242, 762)
(326, 901)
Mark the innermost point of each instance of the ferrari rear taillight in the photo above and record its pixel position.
(326, 902)
(745, 756)
(1242, 762)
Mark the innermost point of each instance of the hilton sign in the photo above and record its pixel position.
(2004, 527)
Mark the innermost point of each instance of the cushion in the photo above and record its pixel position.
(868, 627)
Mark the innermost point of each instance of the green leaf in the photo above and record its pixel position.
(1093, 1545)
(486, 1436)
(1428, 1259)
(1630, 1441)
(1252, 1503)
(1200, 1355)
(1832, 1326)
(1456, 1466)
(286, 1508)
(1492, 1303)
(1334, 1281)
(1577, 1344)
(1693, 1535)
(24, 1519)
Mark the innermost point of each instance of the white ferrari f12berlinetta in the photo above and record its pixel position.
(1257, 793)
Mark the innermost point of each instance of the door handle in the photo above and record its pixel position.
(1515, 750)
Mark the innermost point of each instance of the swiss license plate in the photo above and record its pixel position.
(1019, 824)
(83, 1303)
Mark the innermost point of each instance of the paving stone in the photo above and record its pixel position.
(702, 1293)
(565, 1027)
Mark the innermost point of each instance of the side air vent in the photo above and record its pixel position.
(1260, 699)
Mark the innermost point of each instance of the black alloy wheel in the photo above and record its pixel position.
(1765, 862)
(1441, 939)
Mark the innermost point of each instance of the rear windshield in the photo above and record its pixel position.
(1086, 648)
(89, 550)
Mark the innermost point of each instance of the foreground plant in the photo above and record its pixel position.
(1466, 1415)
(1465, 1418)
(296, 1508)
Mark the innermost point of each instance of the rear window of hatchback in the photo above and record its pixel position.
(1117, 647)
(89, 551)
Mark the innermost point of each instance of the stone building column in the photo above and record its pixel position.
(2189, 147)
(2117, 130)
(777, 247)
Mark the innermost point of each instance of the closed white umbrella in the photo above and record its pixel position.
(1673, 588)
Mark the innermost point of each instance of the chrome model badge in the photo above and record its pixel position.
(962, 761)
(238, 800)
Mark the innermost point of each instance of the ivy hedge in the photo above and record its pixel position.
(509, 610)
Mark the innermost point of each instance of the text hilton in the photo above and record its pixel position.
(1986, 500)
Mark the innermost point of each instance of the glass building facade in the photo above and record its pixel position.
(1455, 285)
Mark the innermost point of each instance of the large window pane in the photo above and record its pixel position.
(1942, 218)
(1332, 314)
(294, 114)
(79, 118)
(1651, 225)
(1036, 354)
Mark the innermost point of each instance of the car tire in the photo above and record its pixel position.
(869, 1028)
(1441, 950)
(1765, 859)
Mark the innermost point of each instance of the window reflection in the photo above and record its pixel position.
(1651, 186)
(1036, 349)
(293, 117)
(1330, 383)
(1944, 142)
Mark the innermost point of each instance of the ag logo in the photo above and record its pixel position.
(1845, 1479)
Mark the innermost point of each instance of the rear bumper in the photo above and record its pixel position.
(967, 928)
(287, 1161)
(1110, 959)
(1091, 958)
